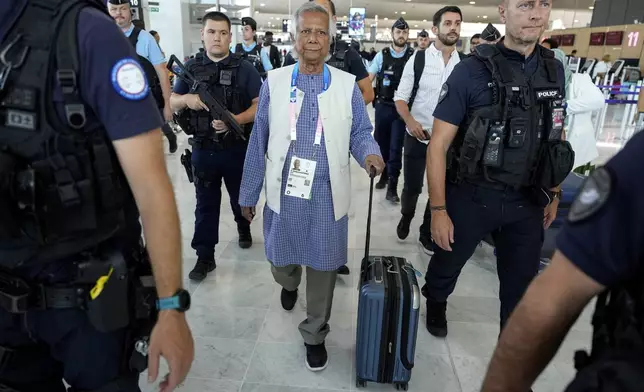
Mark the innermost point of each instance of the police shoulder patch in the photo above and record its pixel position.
(128, 79)
(444, 92)
(592, 196)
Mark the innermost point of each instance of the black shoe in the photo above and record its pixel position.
(317, 358)
(172, 141)
(382, 183)
(288, 299)
(436, 321)
(245, 239)
(426, 244)
(201, 269)
(392, 190)
(403, 227)
(344, 270)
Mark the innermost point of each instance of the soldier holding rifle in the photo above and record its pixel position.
(216, 97)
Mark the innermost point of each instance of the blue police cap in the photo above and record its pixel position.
(248, 21)
(118, 2)
(400, 24)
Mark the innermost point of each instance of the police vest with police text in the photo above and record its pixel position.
(62, 190)
(339, 56)
(253, 56)
(516, 141)
(223, 81)
(390, 74)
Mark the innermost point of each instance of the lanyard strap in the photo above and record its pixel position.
(293, 104)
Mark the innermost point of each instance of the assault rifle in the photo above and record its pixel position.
(201, 88)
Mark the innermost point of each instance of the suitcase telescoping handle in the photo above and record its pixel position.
(372, 176)
(363, 266)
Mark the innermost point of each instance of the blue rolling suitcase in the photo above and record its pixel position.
(388, 314)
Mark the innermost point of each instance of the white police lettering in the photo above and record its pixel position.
(547, 94)
(129, 80)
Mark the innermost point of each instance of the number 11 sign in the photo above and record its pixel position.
(633, 37)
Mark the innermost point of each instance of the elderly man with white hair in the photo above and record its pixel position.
(310, 118)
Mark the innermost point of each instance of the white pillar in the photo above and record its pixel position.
(169, 18)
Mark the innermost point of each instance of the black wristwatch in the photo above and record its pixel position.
(180, 301)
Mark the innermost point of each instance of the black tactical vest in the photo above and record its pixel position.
(501, 143)
(253, 56)
(222, 77)
(616, 359)
(62, 190)
(390, 74)
(339, 56)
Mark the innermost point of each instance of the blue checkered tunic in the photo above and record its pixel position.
(305, 232)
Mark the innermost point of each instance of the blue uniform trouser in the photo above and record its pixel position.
(210, 168)
(65, 345)
(516, 225)
(390, 135)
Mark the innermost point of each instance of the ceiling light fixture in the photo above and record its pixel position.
(591, 7)
(262, 4)
(472, 2)
(484, 16)
(403, 12)
(396, 12)
(386, 18)
(257, 12)
(576, 21)
(424, 20)
(415, 25)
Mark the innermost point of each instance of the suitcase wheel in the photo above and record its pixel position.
(402, 386)
(360, 383)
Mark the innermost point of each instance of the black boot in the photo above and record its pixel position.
(436, 321)
(392, 190)
(245, 238)
(403, 227)
(201, 269)
(171, 136)
(382, 183)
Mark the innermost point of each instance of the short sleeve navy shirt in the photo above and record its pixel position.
(469, 87)
(609, 245)
(101, 46)
(248, 78)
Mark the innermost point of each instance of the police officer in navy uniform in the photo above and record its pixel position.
(600, 254)
(500, 116)
(80, 135)
(248, 49)
(218, 153)
(387, 68)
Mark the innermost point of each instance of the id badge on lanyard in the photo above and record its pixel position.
(293, 105)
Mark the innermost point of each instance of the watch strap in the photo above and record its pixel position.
(169, 303)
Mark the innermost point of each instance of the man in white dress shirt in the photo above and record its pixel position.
(440, 59)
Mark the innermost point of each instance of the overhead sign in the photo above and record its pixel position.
(614, 38)
(597, 39)
(633, 38)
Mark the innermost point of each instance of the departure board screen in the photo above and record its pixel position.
(614, 38)
(597, 39)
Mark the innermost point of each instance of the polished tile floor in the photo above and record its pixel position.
(246, 342)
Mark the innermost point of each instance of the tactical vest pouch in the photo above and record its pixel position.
(517, 134)
(473, 146)
(555, 162)
(8, 205)
(493, 153)
(617, 371)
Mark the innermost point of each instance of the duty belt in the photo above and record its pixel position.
(17, 296)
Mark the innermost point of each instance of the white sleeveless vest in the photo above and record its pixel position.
(336, 115)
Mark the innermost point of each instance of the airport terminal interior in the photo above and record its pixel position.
(246, 342)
